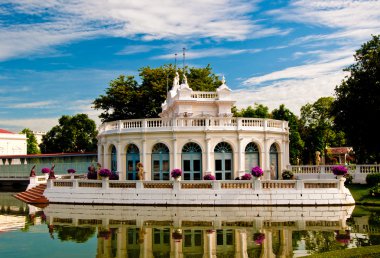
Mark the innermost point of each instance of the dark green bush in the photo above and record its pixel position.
(348, 179)
(375, 191)
(373, 179)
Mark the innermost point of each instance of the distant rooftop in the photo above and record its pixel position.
(5, 131)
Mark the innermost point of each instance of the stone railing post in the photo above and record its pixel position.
(257, 186)
(341, 184)
(75, 183)
(105, 183)
(216, 185)
(139, 185)
(299, 185)
(50, 184)
(176, 185)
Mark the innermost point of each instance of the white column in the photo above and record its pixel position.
(144, 160)
(175, 158)
(241, 156)
(105, 163)
(208, 155)
(119, 167)
(100, 154)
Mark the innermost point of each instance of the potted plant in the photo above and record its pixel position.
(257, 172)
(91, 174)
(258, 238)
(176, 174)
(246, 176)
(71, 171)
(339, 171)
(114, 176)
(287, 175)
(208, 177)
(46, 172)
(105, 173)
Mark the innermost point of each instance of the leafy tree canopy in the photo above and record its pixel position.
(357, 102)
(318, 129)
(258, 111)
(125, 98)
(73, 134)
(31, 143)
(296, 144)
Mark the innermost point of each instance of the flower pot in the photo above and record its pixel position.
(339, 177)
(257, 178)
(177, 178)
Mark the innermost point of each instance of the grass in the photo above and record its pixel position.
(361, 195)
(360, 252)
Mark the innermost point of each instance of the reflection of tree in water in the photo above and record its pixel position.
(318, 241)
(75, 234)
(374, 220)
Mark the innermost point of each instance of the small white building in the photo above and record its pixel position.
(197, 133)
(12, 144)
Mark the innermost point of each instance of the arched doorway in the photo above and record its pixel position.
(160, 162)
(192, 161)
(223, 161)
(133, 157)
(252, 157)
(273, 159)
(113, 159)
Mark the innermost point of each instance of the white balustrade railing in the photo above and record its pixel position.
(204, 95)
(191, 185)
(181, 123)
(358, 172)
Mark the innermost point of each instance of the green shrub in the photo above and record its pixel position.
(348, 179)
(287, 175)
(375, 191)
(373, 179)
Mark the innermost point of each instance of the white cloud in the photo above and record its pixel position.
(37, 104)
(35, 124)
(64, 22)
(214, 52)
(292, 93)
(307, 71)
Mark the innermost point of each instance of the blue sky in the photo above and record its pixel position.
(57, 56)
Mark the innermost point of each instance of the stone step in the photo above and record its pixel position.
(33, 195)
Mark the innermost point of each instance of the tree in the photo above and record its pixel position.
(317, 128)
(31, 142)
(126, 99)
(258, 111)
(356, 107)
(73, 134)
(296, 144)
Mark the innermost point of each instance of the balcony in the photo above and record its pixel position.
(194, 124)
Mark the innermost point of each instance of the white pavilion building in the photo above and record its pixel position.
(197, 133)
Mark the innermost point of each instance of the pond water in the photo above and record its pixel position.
(126, 231)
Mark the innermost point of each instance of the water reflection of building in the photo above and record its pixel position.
(198, 232)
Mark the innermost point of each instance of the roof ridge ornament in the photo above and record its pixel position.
(223, 86)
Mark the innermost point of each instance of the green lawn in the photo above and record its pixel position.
(361, 195)
(360, 252)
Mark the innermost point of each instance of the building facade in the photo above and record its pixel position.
(197, 133)
(12, 144)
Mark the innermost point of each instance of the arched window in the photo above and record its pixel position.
(252, 156)
(133, 157)
(273, 159)
(113, 158)
(192, 161)
(223, 161)
(160, 162)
